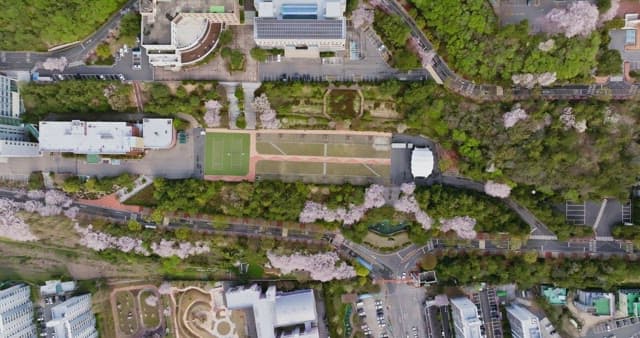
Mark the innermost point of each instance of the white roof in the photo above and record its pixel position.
(82, 137)
(272, 310)
(421, 162)
(53, 287)
(157, 133)
(265, 9)
(295, 308)
(334, 9)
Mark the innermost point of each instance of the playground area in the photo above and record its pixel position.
(227, 154)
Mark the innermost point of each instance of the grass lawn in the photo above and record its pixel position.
(227, 154)
(144, 198)
(150, 314)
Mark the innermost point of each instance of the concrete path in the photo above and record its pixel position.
(234, 109)
(249, 89)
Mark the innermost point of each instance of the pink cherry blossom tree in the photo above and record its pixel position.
(268, 117)
(495, 189)
(579, 18)
(513, 116)
(322, 266)
(182, 250)
(362, 16)
(212, 116)
(12, 226)
(313, 211)
(462, 226)
(165, 288)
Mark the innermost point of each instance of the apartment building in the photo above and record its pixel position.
(16, 312)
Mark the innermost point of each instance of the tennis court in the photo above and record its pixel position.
(227, 154)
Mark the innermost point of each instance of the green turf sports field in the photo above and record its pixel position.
(226, 154)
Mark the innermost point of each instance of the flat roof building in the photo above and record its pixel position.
(466, 321)
(283, 315)
(555, 296)
(16, 312)
(73, 318)
(303, 28)
(596, 302)
(15, 140)
(524, 324)
(56, 288)
(629, 302)
(181, 32)
(80, 137)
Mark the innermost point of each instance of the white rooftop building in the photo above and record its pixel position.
(181, 32)
(422, 162)
(56, 287)
(466, 321)
(16, 312)
(80, 137)
(73, 318)
(15, 140)
(303, 28)
(282, 315)
(524, 324)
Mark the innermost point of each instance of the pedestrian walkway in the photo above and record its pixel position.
(249, 89)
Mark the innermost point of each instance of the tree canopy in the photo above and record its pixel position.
(41, 24)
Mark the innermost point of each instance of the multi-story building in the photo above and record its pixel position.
(303, 28)
(596, 302)
(15, 139)
(277, 314)
(524, 324)
(629, 302)
(73, 318)
(56, 288)
(80, 137)
(16, 312)
(555, 296)
(182, 32)
(466, 321)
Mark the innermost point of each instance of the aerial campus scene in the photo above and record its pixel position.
(320, 168)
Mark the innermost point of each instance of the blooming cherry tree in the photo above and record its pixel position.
(313, 211)
(513, 116)
(182, 250)
(462, 226)
(322, 267)
(12, 226)
(265, 113)
(499, 190)
(579, 18)
(212, 116)
(362, 16)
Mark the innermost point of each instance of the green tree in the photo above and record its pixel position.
(609, 63)
(183, 233)
(361, 270)
(134, 226)
(428, 262)
(259, 54)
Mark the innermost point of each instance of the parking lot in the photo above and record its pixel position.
(624, 327)
(405, 304)
(575, 213)
(43, 314)
(487, 303)
(438, 320)
(371, 313)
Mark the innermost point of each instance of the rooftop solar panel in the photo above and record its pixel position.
(269, 28)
